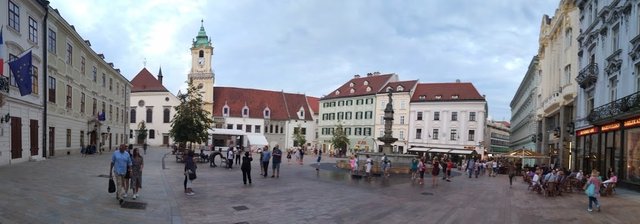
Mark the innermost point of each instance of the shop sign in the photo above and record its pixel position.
(632, 122)
(610, 127)
(587, 131)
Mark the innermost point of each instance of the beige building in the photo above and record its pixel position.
(202, 67)
(558, 62)
(401, 96)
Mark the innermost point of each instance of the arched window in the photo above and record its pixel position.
(152, 134)
(132, 119)
(201, 54)
(225, 111)
(245, 111)
(267, 113)
(149, 115)
(166, 115)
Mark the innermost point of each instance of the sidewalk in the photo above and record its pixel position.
(67, 189)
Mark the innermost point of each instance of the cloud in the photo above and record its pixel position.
(314, 46)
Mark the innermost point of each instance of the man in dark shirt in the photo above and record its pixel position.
(277, 158)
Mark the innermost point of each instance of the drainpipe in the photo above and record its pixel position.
(45, 5)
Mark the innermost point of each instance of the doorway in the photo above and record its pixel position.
(33, 137)
(16, 137)
(52, 141)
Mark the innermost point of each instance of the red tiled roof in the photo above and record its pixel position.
(406, 85)
(282, 106)
(428, 91)
(144, 81)
(357, 84)
(314, 104)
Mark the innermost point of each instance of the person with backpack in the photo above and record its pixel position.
(189, 173)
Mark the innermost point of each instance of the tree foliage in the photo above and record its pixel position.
(298, 137)
(142, 131)
(190, 122)
(340, 139)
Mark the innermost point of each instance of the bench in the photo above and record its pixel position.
(609, 189)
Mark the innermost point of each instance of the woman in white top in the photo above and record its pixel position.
(369, 164)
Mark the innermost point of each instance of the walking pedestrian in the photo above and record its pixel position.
(301, 155)
(189, 173)
(288, 156)
(266, 156)
(144, 147)
(246, 167)
(448, 171)
(471, 165)
(421, 168)
(494, 168)
(260, 161)
(414, 168)
(369, 164)
(120, 161)
(136, 173)
(435, 171)
(127, 176)
(511, 170)
(592, 189)
(319, 152)
(230, 157)
(277, 159)
(239, 154)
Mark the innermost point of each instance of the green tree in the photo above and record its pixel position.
(339, 140)
(190, 122)
(298, 136)
(142, 131)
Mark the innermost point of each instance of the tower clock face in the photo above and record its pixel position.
(201, 61)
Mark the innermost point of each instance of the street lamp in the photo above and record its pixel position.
(108, 129)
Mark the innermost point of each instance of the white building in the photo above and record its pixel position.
(523, 132)
(496, 138)
(608, 105)
(154, 105)
(76, 85)
(447, 118)
(402, 91)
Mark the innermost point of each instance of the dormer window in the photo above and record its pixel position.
(389, 89)
(225, 111)
(301, 113)
(337, 92)
(422, 97)
(454, 97)
(366, 83)
(245, 111)
(266, 113)
(438, 97)
(352, 91)
(399, 89)
(351, 84)
(368, 89)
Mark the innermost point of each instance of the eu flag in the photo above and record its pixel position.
(21, 69)
(101, 116)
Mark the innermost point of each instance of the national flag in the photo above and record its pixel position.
(21, 69)
(101, 116)
(1, 53)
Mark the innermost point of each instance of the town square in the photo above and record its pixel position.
(320, 111)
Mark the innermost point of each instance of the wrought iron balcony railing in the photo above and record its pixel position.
(588, 76)
(624, 106)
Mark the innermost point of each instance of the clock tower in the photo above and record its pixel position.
(201, 72)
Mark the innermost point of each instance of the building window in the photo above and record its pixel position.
(401, 119)
(245, 112)
(267, 113)
(472, 116)
(615, 38)
(229, 126)
(436, 116)
(566, 78)
(358, 115)
(52, 89)
(358, 131)
(152, 134)
(368, 114)
(419, 117)
(419, 133)
(69, 54)
(149, 115)
(225, 111)
(568, 35)
(454, 116)
(51, 44)
(166, 115)
(82, 65)
(638, 76)
(69, 96)
(81, 138)
(14, 16)
(130, 133)
(454, 134)
(247, 128)
(472, 135)
(82, 103)
(613, 88)
(12, 77)
(33, 30)
(34, 80)
(95, 106)
(257, 129)
(68, 137)
(103, 108)
(111, 84)
(239, 126)
(436, 132)
(110, 112)
(401, 135)
(348, 115)
(104, 80)
(95, 74)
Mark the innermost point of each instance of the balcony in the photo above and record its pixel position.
(588, 76)
(552, 102)
(623, 107)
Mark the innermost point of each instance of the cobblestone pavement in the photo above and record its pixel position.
(68, 189)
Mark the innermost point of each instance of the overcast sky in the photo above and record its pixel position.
(314, 46)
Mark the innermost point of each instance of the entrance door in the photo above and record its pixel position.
(110, 141)
(16, 137)
(93, 139)
(165, 140)
(33, 136)
(52, 141)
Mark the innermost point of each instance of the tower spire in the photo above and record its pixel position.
(160, 75)
(202, 40)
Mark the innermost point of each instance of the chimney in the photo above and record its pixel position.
(356, 76)
(457, 80)
(369, 74)
(376, 73)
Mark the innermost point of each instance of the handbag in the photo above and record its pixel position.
(590, 191)
(112, 185)
(192, 175)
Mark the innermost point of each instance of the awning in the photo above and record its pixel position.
(440, 150)
(257, 140)
(458, 151)
(419, 149)
(221, 131)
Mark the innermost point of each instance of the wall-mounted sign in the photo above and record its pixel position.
(587, 131)
(632, 122)
(610, 127)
